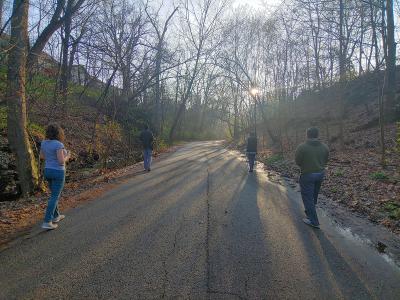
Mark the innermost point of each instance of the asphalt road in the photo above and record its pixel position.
(198, 226)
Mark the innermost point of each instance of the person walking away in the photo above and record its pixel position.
(251, 150)
(312, 157)
(146, 137)
(53, 152)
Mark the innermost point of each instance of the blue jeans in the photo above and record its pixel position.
(252, 158)
(147, 159)
(56, 180)
(310, 184)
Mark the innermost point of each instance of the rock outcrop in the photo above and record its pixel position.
(9, 188)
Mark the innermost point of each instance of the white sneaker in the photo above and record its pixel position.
(308, 222)
(49, 226)
(59, 218)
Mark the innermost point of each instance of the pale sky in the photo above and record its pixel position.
(268, 4)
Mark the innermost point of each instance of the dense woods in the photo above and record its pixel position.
(193, 69)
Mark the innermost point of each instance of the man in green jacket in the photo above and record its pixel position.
(312, 157)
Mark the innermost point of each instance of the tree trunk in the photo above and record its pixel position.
(65, 62)
(374, 44)
(157, 106)
(390, 61)
(1, 12)
(342, 74)
(236, 118)
(16, 100)
(382, 123)
(185, 97)
(55, 23)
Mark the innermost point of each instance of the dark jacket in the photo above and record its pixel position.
(146, 137)
(312, 156)
(251, 144)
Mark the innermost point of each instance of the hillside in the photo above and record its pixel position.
(355, 176)
(83, 121)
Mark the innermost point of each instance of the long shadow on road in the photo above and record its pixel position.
(319, 265)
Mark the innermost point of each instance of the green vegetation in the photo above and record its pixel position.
(339, 173)
(393, 209)
(40, 88)
(37, 129)
(3, 117)
(379, 176)
(274, 159)
(398, 137)
(160, 144)
(109, 135)
(3, 79)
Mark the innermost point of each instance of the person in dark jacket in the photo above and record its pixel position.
(251, 150)
(146, 137)
(312, 157)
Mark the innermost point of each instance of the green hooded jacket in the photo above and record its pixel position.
(312, 156)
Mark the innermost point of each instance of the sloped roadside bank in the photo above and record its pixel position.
(18, 217)
(350, 222)
(354, 181)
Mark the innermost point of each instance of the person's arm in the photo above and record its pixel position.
(41, 154)
(298, 156)
(63, 156)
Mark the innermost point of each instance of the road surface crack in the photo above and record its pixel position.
(208, 232)
(226, 293)
(169, 254)
(165, 279)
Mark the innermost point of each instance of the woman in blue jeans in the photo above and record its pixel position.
(52, 150)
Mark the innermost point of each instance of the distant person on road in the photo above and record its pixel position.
(312, 157)
(53, 152)
(251, 150)
(146, 137)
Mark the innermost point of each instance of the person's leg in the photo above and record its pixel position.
(149, 159)
(56, 179)
(145, 159)
(318, 183)
(56, 212)
(307, 188)
(251, 158)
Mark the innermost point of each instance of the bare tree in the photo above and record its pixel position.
(69, 7)
(161, 34)
(201, 24)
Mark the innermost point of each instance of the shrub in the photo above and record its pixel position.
(37, 129)
(274, 159)
(379, 176)
(339, 173)
(160, 144)
(393, 209)
(108, 135)
(3, 117)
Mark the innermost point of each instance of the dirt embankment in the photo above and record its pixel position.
(355, 177)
